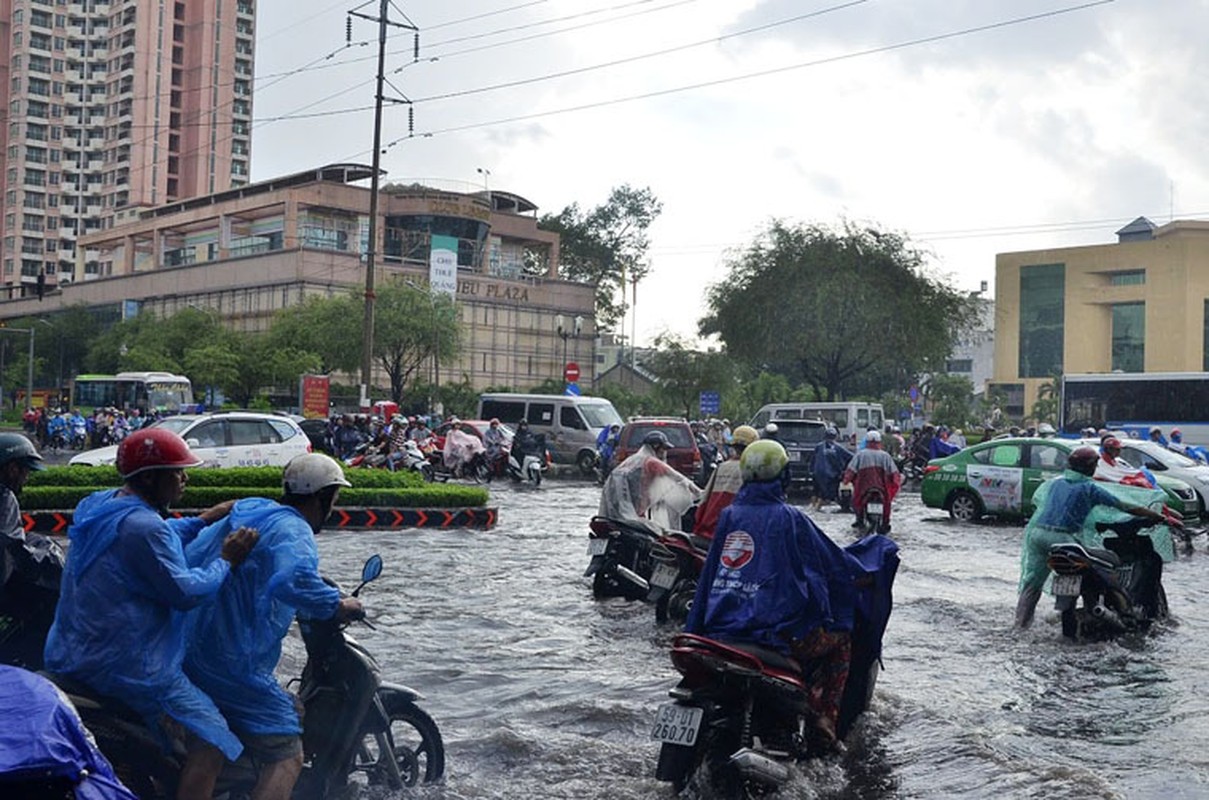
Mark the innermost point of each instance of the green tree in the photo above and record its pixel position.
(329, 327)
(1049, 395)
(606, 246)
(212, 366)
(825, 307)
(684, 373)
(952, 399)
(412, 326)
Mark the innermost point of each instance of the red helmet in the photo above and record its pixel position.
(1110, 443)
(154, 448)
(1084, 460)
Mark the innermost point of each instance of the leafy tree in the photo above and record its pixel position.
(952, 398)
(1049, 395)
(412, 326)
(684, 373)
(262, 362)
(764, 388)
(212, 365)
(329, 327)
(826, 307)
(606, 246)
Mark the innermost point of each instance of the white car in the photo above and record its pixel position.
(1161, 461)
(224, 439)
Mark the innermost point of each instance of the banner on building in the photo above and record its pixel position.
(313, 396)
(443, 265)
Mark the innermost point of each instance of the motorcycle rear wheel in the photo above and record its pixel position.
(419, 751)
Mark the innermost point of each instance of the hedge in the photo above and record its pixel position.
(36, 498)
(250, 477)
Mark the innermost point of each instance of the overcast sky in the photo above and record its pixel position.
(972, 126)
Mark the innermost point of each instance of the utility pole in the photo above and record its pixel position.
(384, 21)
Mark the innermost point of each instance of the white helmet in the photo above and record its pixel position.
(311, 472)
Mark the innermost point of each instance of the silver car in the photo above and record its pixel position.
(1161, 461)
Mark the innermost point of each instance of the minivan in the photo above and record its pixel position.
(851, 420)
(571, 423)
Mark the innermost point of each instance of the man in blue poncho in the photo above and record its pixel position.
(1059, 518)
(119, 627)
(235, 640)
(774, 579)
(828, 465)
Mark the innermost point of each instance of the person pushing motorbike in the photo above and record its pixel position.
(774, 579)
(118, 626)
(30, 564)
(236, 640)
(1059, 518)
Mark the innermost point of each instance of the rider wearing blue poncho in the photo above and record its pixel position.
(774, 579)
(235, 639)
(119, 626)
(827, 466)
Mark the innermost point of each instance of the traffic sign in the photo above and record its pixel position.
(571, 372)
(711, 403)
(572, 389)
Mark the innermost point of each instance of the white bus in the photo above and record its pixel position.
(850, 419)
(1136, 401)
(146, 391)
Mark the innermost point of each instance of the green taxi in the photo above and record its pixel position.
(999, 478)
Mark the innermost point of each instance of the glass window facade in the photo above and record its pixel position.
(1128, 337)
(1133, 277)
(1042, 319)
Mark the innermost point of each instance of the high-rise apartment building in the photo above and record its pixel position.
(111, 106)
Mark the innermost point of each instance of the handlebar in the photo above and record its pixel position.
(1127, 527)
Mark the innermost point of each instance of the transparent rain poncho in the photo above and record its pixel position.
(1033, 569)
(645, 487)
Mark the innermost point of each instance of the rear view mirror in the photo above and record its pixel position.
(193, 443)
(372, 568)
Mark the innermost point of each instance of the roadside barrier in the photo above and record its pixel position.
(354, 518)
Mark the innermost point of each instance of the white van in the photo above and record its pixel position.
(850, 419)
(570, 423)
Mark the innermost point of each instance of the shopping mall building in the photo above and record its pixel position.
(252, 250)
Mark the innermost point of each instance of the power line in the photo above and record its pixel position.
(640, 57)
(477, 17)
(764, 73)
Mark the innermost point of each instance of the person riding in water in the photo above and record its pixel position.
(31, 565)
(495, 440)
(872, 468)
(773, 579)
(827, 467)
(606, 445)
(460, 447)
(646, 486)
(236, 640)
(119, 627)
(724, 483)
(1059, 518)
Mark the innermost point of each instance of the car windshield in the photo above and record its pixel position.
(678, 435)
(791, 432)
(174, 424)
(598, 415)
(1172, 458)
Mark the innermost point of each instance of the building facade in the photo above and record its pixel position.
(249, 251)
(973, 355)
(1138, 305)
(115, 106)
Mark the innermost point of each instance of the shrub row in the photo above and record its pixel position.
(232, 477)
(38, 498)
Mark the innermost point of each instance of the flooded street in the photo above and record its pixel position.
(542, 692)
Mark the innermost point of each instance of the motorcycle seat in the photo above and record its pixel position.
(1106, 558)
(770, 657)
(84, 698)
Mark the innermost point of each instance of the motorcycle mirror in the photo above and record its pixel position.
(370, 572)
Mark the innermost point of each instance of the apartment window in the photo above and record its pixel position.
(1042, 319)
(1128, 337)
(1132, 277)
(959, 365)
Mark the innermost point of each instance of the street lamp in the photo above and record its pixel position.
(486, 173)
(565, 332)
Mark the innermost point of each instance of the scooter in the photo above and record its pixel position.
(532, 465)
(740, 715)
(1120, 587)
(687, 552)
(356, 728)
(874, 518)
(622, 561)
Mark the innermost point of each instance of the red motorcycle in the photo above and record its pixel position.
(685, 554)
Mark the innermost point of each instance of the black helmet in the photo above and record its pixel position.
(15, 447)
(656, 439)
(1084, 460)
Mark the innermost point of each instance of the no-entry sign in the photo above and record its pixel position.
(571, 372)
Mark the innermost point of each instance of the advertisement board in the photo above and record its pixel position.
(313, 395)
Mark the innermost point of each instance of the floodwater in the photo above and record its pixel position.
(542, 692)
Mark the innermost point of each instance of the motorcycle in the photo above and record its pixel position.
(79, 437)
(414, 459)
(476, 469)
(845, 497)
(623, 563)
(740, 715)
(1120, 586)
(874, 518)
(355, 726)
(687, 552)
(532, 466)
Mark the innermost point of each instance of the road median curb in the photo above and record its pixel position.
(342, 518)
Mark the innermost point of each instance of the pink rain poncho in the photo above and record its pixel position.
(460, 447)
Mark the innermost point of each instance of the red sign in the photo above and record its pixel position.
(571, 372)
(314, 391)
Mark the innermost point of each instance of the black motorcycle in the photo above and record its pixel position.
(1102, 593)
(874, 518)
(740, 715)
(356, 728)
(625, 556)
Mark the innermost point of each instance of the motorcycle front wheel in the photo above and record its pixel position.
(415, 739)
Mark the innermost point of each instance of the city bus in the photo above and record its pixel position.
(1135, 401)
(146, 391)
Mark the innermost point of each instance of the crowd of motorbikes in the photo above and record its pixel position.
(427, 458)
(358, 729)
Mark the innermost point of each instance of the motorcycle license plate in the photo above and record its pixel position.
(664, 575)
(1067, 585)
(874, 508)
(676, 724)
(597, 547)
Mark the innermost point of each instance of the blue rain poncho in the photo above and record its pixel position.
(1068, 509)
(41, 736)
(119, 627)
(235, 639)
(771, 575)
